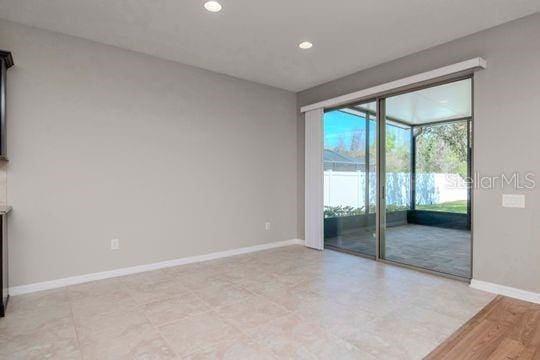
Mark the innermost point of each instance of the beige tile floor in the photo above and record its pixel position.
(286, 303)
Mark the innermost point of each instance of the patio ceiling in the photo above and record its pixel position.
(439, 103)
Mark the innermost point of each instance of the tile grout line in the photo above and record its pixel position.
(137, 305)
(215, 309)
(155, 327)
(250, 337)
(160, 335)
(74, 323)
(287, 313)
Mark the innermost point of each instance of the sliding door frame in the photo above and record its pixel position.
(380, 211)
(381, 179)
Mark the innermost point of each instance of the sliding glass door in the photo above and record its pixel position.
(350, 178)
(411, 152)
(426, 163)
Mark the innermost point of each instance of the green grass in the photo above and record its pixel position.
(459, 206)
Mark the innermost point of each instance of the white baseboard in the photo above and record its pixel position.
(506, 291)
(58, 283)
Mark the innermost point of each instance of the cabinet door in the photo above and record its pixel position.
(4, 264)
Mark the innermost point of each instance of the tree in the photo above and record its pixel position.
(357, 140)
(443, 149)
(397, 152)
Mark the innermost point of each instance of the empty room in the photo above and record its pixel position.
(233, 179)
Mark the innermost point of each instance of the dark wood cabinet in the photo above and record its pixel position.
(4, 282)
(6, 61)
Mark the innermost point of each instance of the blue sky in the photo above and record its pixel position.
(341, 124)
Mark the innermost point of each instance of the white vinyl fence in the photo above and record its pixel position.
(348, 188)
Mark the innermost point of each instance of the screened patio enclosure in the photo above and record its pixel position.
(425, 216)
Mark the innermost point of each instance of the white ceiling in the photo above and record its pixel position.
(257, 40)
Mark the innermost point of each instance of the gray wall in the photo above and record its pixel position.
(507, 139)
(173, 160)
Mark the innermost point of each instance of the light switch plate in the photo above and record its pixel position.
(513, 200)
(115, 244)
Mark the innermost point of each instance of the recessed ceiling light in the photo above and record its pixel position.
(212, 6)
(305, 45)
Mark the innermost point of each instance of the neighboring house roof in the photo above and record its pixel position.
(332, 156)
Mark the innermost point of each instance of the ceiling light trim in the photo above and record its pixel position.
(305, 45)
(213, 6)
(461, 68)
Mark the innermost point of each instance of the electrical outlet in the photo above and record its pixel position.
(267, 226)
(115, 244)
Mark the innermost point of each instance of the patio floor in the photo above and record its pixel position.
(434, 248)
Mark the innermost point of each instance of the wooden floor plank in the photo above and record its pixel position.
(480, 342)
(508, 311)
(529, 353)
(527, 330)
(458, 336)
(507, 349)
(505, 329)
